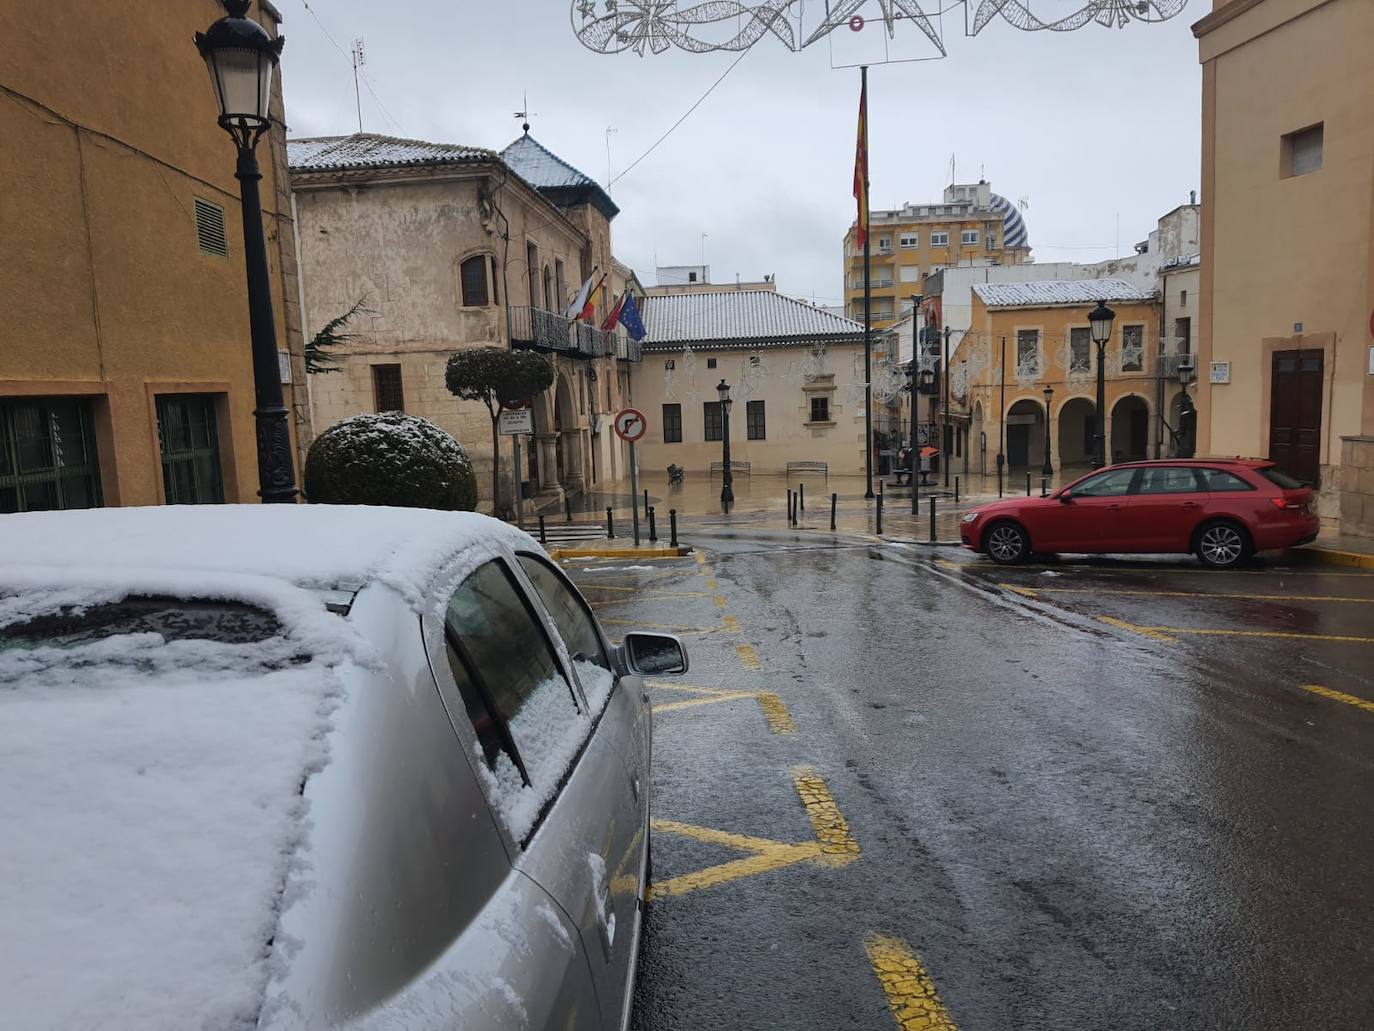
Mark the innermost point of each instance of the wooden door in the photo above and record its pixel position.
(1295, 413)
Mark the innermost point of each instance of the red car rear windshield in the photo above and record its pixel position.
(1280, 479)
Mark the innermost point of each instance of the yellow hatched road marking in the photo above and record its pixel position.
(712, 584)
(724, 696)
(774, 709)
(775, 712)
(1339, 696)
(730, 622)
(833, 845)
(910, 992)
(1031, 592)
(719, 599)
(641, 593)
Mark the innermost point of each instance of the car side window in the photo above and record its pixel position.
(1111, 484)
(497, 640)
(569, 611)
(1220, 481)
(1167, 480)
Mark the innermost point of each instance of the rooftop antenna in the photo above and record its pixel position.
(359, 59)
(526, 114)
(609, 129)
(703, 253)
(951, 170)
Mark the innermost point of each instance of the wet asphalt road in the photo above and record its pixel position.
(1060, 821)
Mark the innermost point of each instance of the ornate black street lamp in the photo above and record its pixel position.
(1047, 470)
(1100, 319)
(242, 58)
(727, 489)
(1186, 444)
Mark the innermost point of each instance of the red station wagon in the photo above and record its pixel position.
(1222, 510)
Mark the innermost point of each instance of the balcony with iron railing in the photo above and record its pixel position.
(627, 349)
(535, 329)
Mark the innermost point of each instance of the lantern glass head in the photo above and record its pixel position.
(723, 390)
(1049, 394)
(927, 381)
(1100, 318)
(242, 59)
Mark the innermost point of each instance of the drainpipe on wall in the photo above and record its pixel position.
(305, 315)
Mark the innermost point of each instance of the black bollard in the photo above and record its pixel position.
(610, 524)
(932, 519)
(653, 530)
(543, 537)
(801, 496)
(672, 526)
(567, 506)
(1027, 484)
(1044, 487)
(789, 506)
(834, 499)
(880, 515)
(956, 490)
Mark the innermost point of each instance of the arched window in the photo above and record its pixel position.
(473, 274)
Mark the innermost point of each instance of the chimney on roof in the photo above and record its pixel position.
(1192, 197)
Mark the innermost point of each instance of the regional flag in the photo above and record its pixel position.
(588, 311)
(861, 168)
(574, 310)
(613, 319)
(629, 317)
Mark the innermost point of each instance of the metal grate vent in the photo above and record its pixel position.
(210, 228)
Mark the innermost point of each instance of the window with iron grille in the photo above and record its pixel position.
(714, 421)
(387, 395)
(474, 277)
(672, 424)
(1132, 348)
(47, 455)
(188, 438)
(753, 417)
(1080, 349)
(210, 236)
(820, 409)
(1028, 351)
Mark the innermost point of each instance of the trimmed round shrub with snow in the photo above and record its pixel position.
(390, 458)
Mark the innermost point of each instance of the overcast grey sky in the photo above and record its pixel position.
(1091, 126)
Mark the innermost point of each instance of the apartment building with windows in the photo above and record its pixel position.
(1285, 329)
(125, 364)
(795, 373)
(972, 226)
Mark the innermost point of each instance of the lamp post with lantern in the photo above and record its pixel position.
(727, 488)
(242, 59)
(1047, 470)
(1100, 319)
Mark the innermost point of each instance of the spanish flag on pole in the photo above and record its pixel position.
(861, 167)
(589, 308)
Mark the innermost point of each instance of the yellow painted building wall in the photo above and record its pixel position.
(105, 291)
(1282, 252)
(1074, 397)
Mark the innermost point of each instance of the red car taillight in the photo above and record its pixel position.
(1289, 505)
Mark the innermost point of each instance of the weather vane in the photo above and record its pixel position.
(615, 26)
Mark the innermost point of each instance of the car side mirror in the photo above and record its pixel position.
(653, 655)
(1065, 497)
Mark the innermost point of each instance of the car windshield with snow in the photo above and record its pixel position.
(376, 768)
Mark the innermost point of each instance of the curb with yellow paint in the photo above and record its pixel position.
(607, 551)
(1318, 555)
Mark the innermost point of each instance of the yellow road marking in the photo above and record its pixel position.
(701, 558)
(730, 622)
(945, 563)
(1117, 570)
(672, 627)
(826, 820)
(1144, 631)
(1339, 696)
(833, 845)
(774, 709)
(775, 712)
(719, 599)
(640, 592)
(1165, 633)
(724, 696)
(910, 992)
(712, 585)
(1031, 592)
(748, 657)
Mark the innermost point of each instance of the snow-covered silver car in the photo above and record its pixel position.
(298, 767)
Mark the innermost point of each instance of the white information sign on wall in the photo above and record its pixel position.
(513, 421)
(1221, 372)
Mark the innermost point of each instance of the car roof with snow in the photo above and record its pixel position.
(168, 678)
(309, 545)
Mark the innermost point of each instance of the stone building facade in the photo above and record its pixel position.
(451, 247)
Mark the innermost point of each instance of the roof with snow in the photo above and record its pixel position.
(555, 178)
(741, 318)
(1050, 292)
(369, 150)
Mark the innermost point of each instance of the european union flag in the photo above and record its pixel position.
(629, 318)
